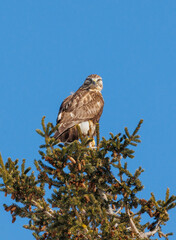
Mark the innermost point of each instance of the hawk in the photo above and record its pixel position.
(83, 108)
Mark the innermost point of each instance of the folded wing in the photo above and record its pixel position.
(82, 106)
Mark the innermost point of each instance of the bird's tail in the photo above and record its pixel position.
(57, 135)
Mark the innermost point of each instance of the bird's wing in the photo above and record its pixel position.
(64, 107)
(82, 106)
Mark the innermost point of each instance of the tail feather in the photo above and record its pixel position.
(56, 135)
(69, 135)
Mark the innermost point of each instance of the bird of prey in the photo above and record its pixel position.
(83, 108)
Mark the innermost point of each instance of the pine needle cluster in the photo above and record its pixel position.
(80, 192)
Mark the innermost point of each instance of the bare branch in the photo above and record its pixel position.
(141, 235)
(110, 210)
(37, 204)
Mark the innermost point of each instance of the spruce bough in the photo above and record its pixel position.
(93, 195)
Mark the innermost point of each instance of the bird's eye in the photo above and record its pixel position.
(87, 82)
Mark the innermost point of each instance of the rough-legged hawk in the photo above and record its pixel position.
(83, 108)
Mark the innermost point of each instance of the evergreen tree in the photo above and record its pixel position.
(93, 195)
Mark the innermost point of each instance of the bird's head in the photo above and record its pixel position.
(93, 82)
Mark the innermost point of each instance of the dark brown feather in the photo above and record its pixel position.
(83, 105)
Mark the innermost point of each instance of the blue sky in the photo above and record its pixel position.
(47, 50)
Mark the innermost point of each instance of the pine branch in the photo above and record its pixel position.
(140, 234)
(49, 213)
(92, 193)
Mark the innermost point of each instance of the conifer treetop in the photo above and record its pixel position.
(79, 192)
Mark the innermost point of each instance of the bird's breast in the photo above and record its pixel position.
(84, 126)
(87, 128)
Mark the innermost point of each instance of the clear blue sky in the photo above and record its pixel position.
(47, 50)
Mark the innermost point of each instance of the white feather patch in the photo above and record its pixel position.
(59, 117)
(72, 115)
(84, 126)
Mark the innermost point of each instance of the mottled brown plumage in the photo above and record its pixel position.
(83, 108)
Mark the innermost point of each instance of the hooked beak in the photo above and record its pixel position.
(94, 82)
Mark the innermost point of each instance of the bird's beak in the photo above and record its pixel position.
(94, 82)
